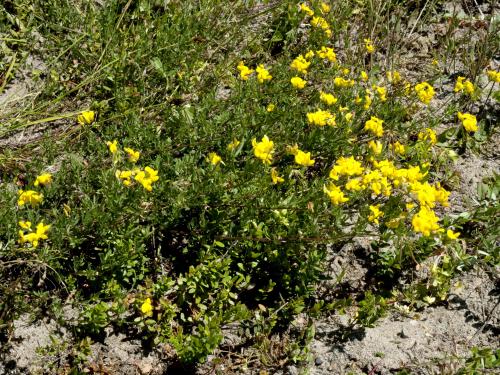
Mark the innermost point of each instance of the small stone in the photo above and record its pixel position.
(318, 361)
(292, 370)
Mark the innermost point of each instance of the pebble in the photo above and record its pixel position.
(318, 361)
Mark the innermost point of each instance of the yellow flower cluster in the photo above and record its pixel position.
(342, 82)
(428, 195)
(86, 118)
(326, 98)
(304, 158)
(44, 179)
(298, 82)
(375, 214)
(133, 155)
(374, 125)
(275, 177)
(321, 23)
(263, 74)
(335, 194)
(27, 235)
(370, 48)
(245, 71)
(144, 177)
(300, 64)
(214, 159)
(30, 197)
(113, 146)
(468, 121)
(367, 99)
(429, 135)
(327, 53)
(147, 307)
(381, 92)
(304, 8)
(464, 86)
(264, 149)
(321, 118)
(346, 167)
(425, 92)
(425, 221)
(493, 76)
(398, 148)
(375, 147)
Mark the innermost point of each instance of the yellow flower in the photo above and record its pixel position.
(375, 147)
(270, 107)
(398, 148)
(452, 235)
(364, 76)
(214, 159)
(493, 76)
(146, 177)
(233, 145)
(369, 46)
(425, 221)
(133, 156)
(304, 158)
(264, 149)
(300, 64)
(375, 214)
(275, 177)
(147, 307)
(327, 53)
(325, 8)
(425, 92)
(374, 125)
(381, 92)
(298, 82)
(428, 135)
(321, 118)
(44, 179)
(32, 237)
(459, 85)
(336, 195)
(466, 86)
(125, 176)
(263, 74)
(321, 23)
(354, 185)
(30, 197)
(368, 101)
(377, 183)
(25, 224)
(245, 71)
(326, 98)
(86, 117)
(309, 55)
(304, 8)
(113, 146)
(341, 82)
(346, 166)
(348, 117)
(468, 121)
